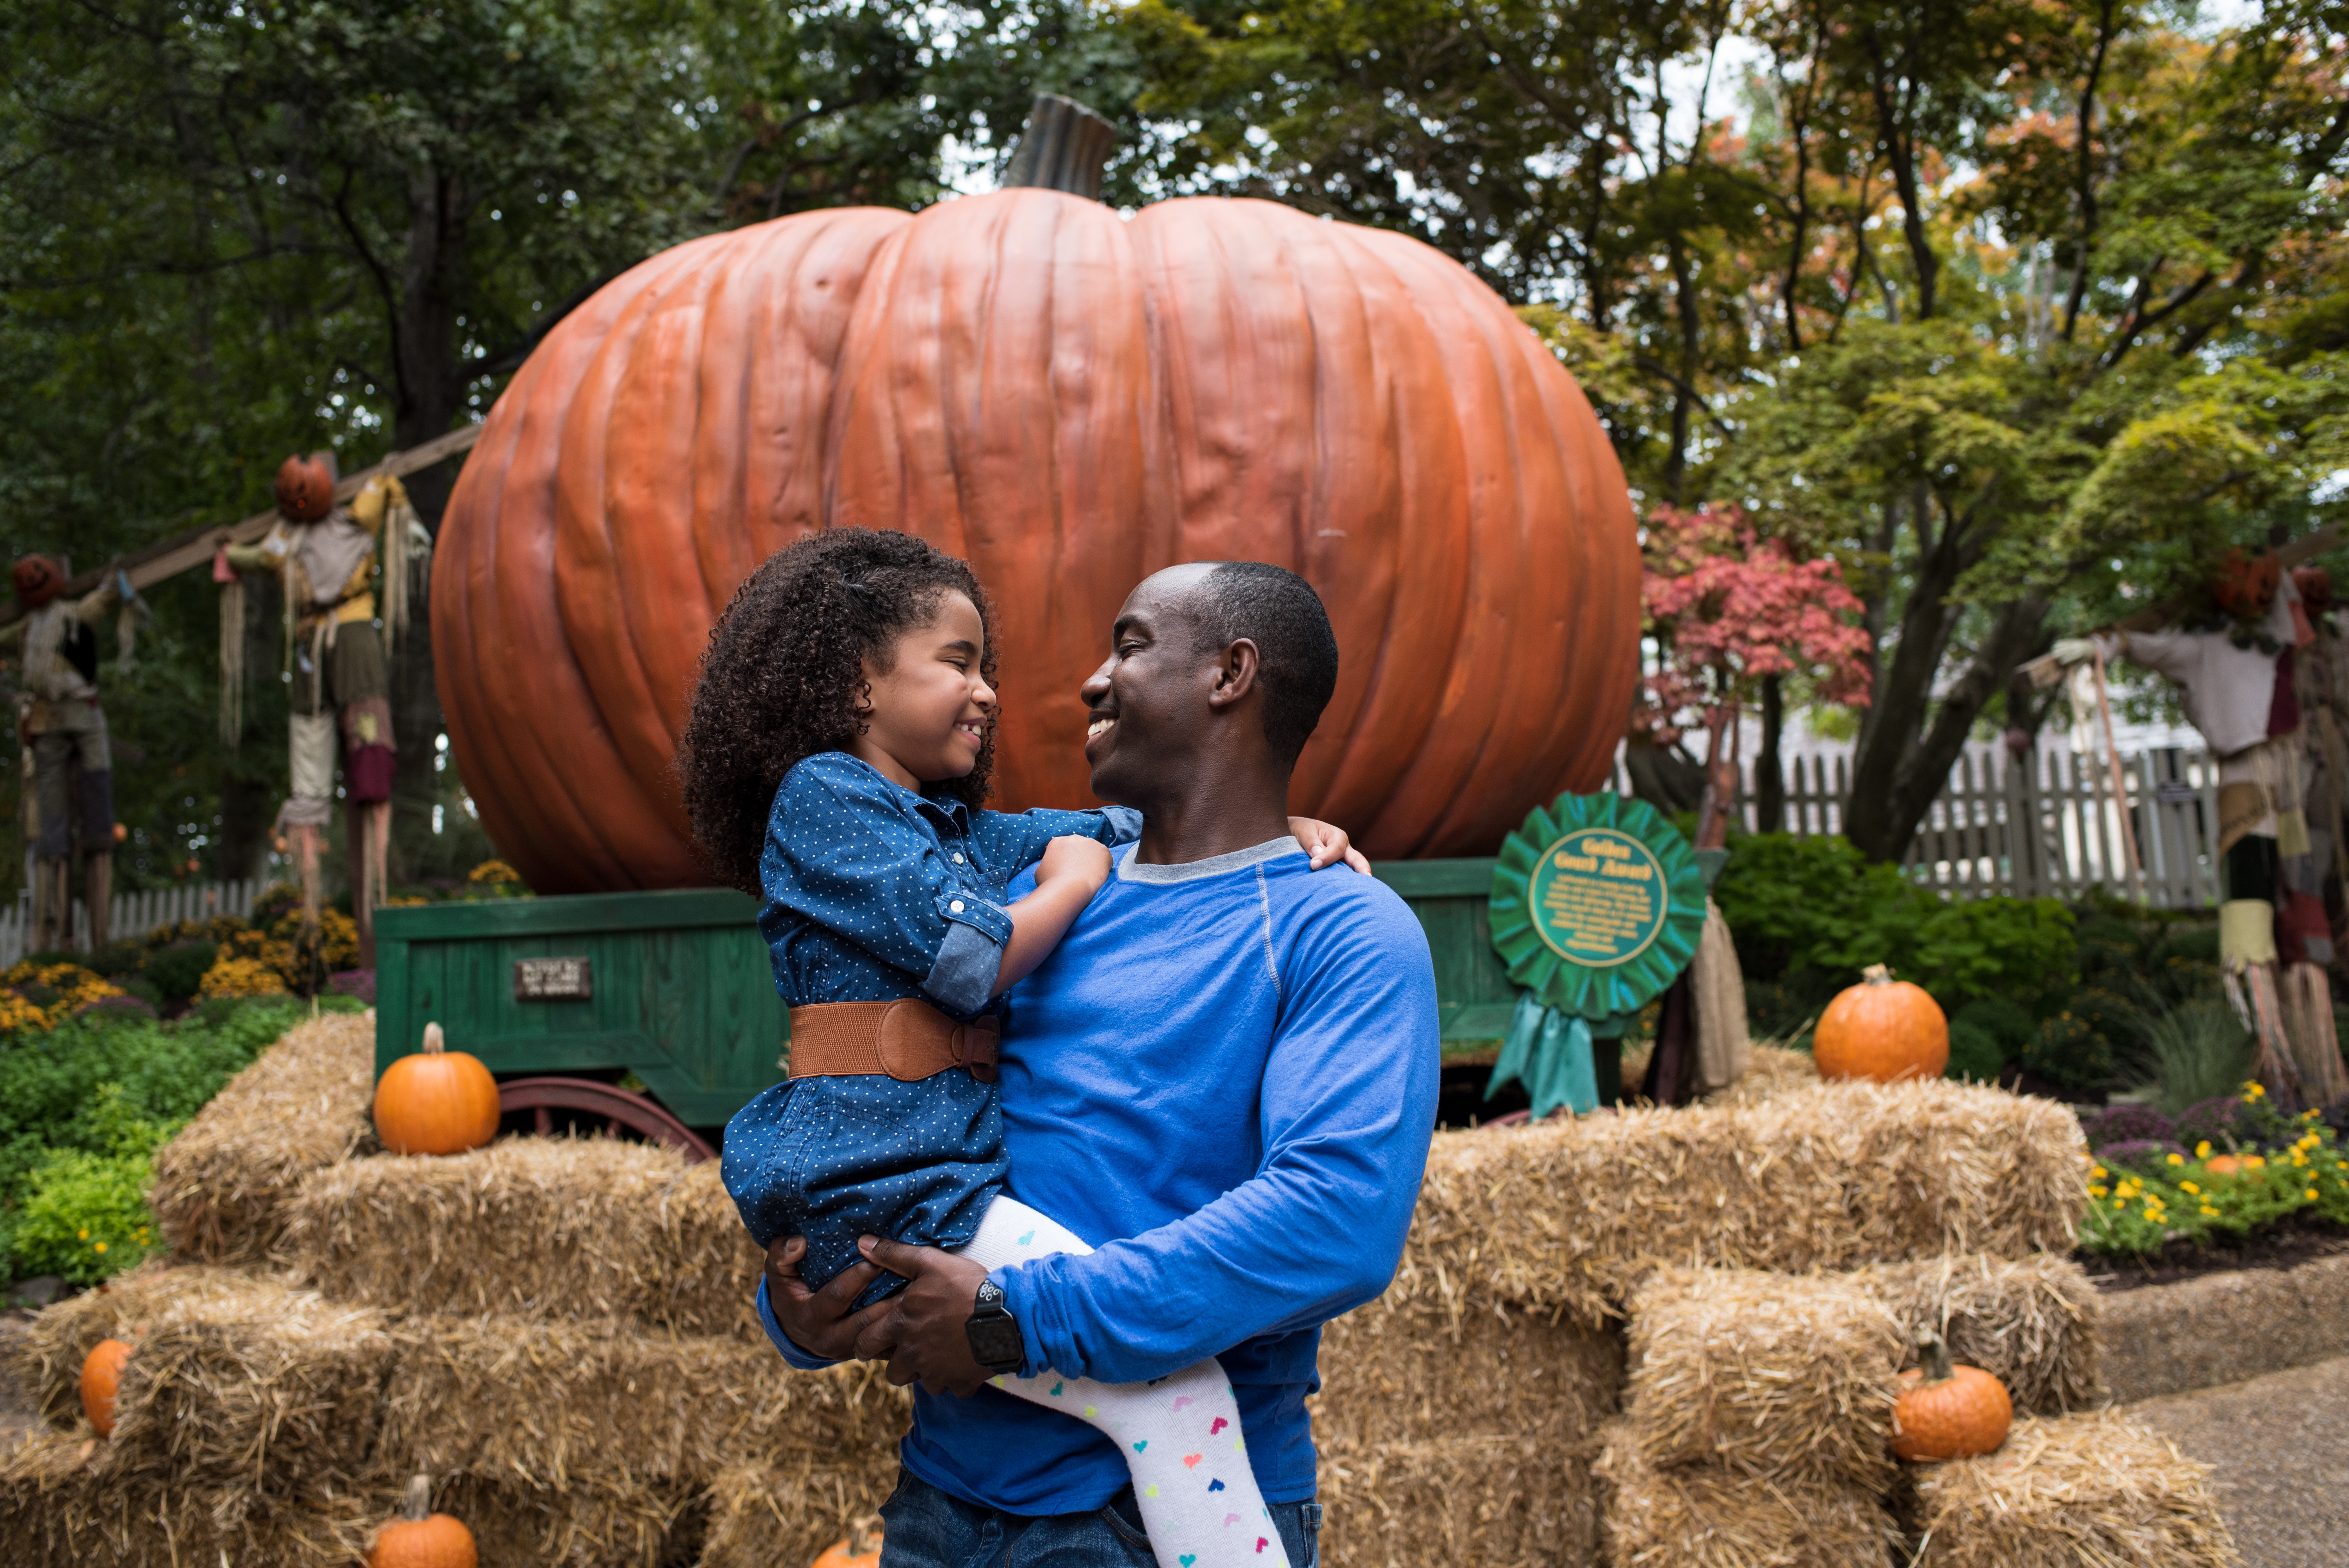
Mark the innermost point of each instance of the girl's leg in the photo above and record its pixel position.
(1180, 1435)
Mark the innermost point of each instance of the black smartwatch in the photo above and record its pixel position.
(994, 1341)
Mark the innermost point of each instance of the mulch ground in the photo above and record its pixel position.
(2284, 1245)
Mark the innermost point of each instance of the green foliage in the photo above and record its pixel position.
(1975, 1054)
(2198, 1050)
(1815, 907)
(2070, 1051)
(84, 1106)
(176, 971)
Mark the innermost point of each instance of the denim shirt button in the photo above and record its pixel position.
(956, 907)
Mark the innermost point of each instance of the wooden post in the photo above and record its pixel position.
(1064, 148)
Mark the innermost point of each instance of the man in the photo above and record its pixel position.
(1224, 1079)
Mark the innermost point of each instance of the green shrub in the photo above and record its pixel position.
(106, 1090)
(83, 1216)
(1974, 1053)
(2005, 1020)
(2180, 1198)
(1811, 912)
(2069, 1051)
(178, 970)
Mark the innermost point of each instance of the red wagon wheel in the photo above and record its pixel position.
(617, 1107)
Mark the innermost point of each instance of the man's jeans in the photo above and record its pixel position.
(927, 1528)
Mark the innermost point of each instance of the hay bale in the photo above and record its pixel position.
(1571, 1214)
(1777, 1378)
(1703, 1516)
(1494, 1501)
(46, 1359)
(767, 1516)
(66, 1502)
(303, 1104)
(611, 1524)
(554, 1404)
(1774, 1070)
(1471, 1432)
(2032, 1323)
(587, 1228)
(269, 1387)
(2080, 1491)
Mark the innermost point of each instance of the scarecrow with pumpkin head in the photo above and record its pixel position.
(2240, 675)
(63, 730)
(325, 557)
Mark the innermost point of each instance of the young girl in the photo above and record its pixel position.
(840, 746)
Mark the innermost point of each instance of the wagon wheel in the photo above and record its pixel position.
(617, 1107)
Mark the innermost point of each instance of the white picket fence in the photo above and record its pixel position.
(133, 913)
(2044, 825)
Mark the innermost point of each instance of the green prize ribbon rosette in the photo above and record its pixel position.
(1597, 905)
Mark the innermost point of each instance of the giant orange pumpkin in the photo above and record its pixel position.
(1070, 400)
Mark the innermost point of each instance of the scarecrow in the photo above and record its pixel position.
(63, 730)
(325, 557)
(2240, 681)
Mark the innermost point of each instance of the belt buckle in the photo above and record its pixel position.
(975, 1047)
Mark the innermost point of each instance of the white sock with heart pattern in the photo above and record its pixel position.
(1180, 1435)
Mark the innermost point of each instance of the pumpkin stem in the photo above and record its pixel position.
(1877, 975)
(435, 1042)
(417, 1506)
(1936, 1356)
(1063, 148)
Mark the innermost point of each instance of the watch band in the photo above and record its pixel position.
(996, 1342)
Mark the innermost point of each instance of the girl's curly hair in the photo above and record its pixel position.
(782, 680)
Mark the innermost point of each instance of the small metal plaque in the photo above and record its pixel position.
(553, 979)
(2176, 793)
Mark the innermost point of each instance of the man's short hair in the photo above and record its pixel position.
(1297, 652)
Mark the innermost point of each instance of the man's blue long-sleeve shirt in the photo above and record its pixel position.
(1223, 1079)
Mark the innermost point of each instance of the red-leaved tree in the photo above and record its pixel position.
(1728, 609)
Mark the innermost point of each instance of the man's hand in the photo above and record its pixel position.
(819, 1321)
(924, 1328)
(1326, 845)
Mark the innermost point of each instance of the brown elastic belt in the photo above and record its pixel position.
(907, 1040)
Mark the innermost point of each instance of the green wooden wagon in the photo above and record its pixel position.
(567, 998)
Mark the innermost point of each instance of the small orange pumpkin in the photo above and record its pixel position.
(2222, 1165)
(419, 1537)
(1949, 1412)
(1881, 1028)
(861, 1549)
(305, 487)
(439, 1101)
(101, 1379)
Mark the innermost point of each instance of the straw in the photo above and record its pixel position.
(770, 1516)
(2031, 1323)
(1703, 1516)
(1571, 1215)
(2082, 1491)
(1775, 1377)
(303, 1104)
(589, 1228)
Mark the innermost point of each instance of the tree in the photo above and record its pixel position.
(233, 230)
(2020, 310)
(1729, 611)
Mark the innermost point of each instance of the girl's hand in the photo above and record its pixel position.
(1078, 859)
(1325, 845)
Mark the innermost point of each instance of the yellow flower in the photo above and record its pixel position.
(2098, 1172)
(2097, 1193)
(2187, 1186)
(2253, 1161)
(2176, 1159)
(2210, 1211)
(85, 1232)
(2312, 1194)
(2120, 1203)
(2202, 1149)
(99, 1246)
